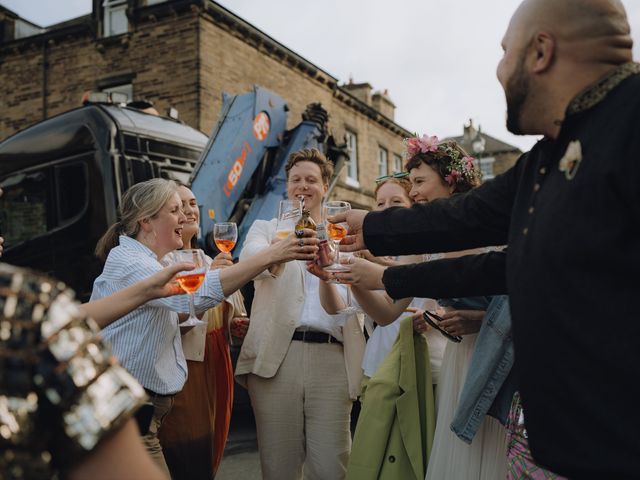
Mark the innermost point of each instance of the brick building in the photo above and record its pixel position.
(184, 54)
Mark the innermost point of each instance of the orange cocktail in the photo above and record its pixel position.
(190, 282)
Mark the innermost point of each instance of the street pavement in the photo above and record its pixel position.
(241, 460)
(240, 466)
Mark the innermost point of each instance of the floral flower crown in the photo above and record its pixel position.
(460, 167)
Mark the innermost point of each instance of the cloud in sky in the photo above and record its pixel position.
(437, 58)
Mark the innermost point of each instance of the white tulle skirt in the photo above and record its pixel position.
(451, 458)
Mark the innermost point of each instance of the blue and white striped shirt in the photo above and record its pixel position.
(147, 340)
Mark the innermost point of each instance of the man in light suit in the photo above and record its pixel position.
(300, 365)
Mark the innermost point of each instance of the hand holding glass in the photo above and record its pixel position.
(289, 213)
(336, 231)
(190, 281)
(225, 236)
(350, 308)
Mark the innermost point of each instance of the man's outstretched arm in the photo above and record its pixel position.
(471, 275)
(478, 218)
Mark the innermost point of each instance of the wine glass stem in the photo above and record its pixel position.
(338, 252)
(192, 310)
(348, 296)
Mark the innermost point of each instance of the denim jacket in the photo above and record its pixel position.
(489, 386)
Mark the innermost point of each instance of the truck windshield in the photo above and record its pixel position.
(40, 201)
(23, 207)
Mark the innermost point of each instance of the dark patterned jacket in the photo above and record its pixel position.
(61, 390)
(569, 211)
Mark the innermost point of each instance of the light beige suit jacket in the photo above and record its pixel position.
(276, 308)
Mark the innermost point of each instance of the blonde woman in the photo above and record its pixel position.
(147, 340)
(194, 433)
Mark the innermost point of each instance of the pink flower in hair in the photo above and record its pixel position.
(469, 162)
(417, 145)
(413, 146)
(429, 144)
(452, 177)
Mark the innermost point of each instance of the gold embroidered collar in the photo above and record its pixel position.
(596, 93)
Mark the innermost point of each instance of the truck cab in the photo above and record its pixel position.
(63, 179)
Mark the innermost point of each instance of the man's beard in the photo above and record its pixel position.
(516, 93)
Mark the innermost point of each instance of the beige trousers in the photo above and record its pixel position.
(302, 414)
(161, 407)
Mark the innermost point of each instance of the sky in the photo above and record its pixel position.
(436, 58)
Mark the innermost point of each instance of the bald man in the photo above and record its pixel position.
(569, 211)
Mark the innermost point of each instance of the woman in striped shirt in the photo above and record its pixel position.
(147, 340)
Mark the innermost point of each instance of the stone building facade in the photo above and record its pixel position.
(493, 156)
(184, 54)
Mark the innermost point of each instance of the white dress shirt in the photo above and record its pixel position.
(147, 340)
(313, 316)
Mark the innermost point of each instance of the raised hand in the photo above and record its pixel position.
(363, 274)
(293, 247)
(239, 326)
(222, 260)
(318, 271)
(354, 240)
(162, 283)
(419, 324)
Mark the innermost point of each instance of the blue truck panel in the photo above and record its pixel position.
(249, 124)
(249, 140)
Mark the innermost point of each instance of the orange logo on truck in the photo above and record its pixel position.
(236, 170)
(261, 126)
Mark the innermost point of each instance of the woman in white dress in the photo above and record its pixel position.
(484, 458)
(439, 170)
(383, 315)
(394, 191)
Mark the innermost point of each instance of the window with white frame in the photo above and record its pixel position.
(486, 168)
(397, 163)
(352, 163)
(115, 17)
(383, 165)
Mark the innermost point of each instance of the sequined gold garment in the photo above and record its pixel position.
(61, 389)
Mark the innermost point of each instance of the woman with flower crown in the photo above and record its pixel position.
(383, 315)
(439, 170)
(378, 424)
